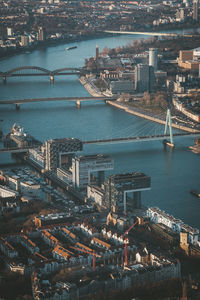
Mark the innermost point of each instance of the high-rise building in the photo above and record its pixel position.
(83, 168)
(195, 10)
(180, 15)
(41, 34)
(144, 78)
(118, 186)
(24, 40)
(9, 32)
(153, 58)
(60, 151)
(97, 53)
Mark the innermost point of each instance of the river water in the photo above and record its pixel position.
(173, 172)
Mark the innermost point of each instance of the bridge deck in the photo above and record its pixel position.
(116, 140)
(140, 138)
(89, 98)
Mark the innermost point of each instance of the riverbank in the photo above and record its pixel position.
(51, 43)
(145, 115)
(95, 92)
(90, 87)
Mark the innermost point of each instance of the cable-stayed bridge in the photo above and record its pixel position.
(149, 128)
(147, 138)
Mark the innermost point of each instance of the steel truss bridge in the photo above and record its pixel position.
(31, 100)
(38, 71)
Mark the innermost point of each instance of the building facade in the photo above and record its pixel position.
(118, 186)
(57, 148)
(84, 166)
(144, 78)
(153, 58)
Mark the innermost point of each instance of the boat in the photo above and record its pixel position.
(167, 143)
(70, 48)
(195, 193)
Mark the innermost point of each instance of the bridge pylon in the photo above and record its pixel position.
(168, 125)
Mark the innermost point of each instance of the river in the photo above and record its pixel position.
(173, 172)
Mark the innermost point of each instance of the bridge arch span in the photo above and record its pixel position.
(59, 71)
(27, 68)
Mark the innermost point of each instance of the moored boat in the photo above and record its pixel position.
(70, 48)
(195, 193)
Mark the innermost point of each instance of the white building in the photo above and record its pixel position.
(37, 156)
(96, 194)
(9, 32)
(64, 175)
(153, 58)
(6, 192)
(13, 182)
(158, 216)
(84, 166)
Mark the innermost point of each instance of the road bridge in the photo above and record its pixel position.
(149, 33)
(130, 139)
(27, 71)
(76, 99)
(141, 138)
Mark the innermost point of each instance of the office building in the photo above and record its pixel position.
(24, 40)
(121, 86)
(97, 53)
(83, 168)
(41, 34)
(144, 78)
(153, 58)
(59, 152)
(9, 32)
(118, 186)
(195, 10)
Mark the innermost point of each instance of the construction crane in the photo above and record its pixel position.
(88, 252)
(126, 242)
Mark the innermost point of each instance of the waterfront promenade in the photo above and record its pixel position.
(95, 92)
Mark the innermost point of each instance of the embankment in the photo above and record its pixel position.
(90, 87)
(145, 115)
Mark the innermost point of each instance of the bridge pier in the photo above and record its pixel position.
(78, 104)
(168, 124)
(17, 106)
(4, 79)
(51, 79)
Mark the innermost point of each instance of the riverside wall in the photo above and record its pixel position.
(94, 91)
(146, 116)
(90, 87)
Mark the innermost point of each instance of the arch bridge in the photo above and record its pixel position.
(26, 71)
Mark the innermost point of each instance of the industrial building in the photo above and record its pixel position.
(83, 168)
(59, 152)
(118, 186)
